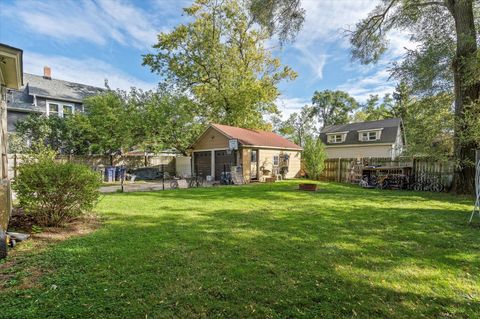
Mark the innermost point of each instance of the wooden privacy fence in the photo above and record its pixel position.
(341, 169)
(129, 161)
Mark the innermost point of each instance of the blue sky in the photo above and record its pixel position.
(88, 41)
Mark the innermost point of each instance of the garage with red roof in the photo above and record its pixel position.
(254, 154)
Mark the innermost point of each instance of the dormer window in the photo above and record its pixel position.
(370, 135)
(338, 137)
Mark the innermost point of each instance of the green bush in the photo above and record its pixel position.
(313, 157)
(55, 193)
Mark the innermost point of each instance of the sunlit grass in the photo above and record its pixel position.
(265, 251)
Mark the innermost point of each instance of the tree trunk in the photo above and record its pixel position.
(465, 93)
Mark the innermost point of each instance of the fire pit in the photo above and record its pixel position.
(307, 187)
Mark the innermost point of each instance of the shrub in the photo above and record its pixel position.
(55, 193)
(314, 156)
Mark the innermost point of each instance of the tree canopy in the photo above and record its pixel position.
(220, 59)
(446, 59)
(299, 126)
(333, 107)
(283, 18)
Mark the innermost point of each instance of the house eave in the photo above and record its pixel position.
(273, 147)
(13, 63)
(56, 98)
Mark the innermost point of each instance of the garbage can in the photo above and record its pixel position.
(110, 174)
(119, 173)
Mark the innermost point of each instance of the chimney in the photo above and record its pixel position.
(47, 73)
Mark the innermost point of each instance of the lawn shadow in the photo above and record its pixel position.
(283, 253)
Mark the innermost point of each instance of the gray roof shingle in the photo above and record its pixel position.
(58, 89)
(388, 135)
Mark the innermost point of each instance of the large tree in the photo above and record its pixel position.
(299, 125)
(220, 59)
(170, 122)
(333, 107)
(283, 18)
(446, 56)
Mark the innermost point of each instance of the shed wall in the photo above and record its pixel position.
(211, 139)
(265, 159)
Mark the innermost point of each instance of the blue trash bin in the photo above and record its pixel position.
(110, 174)
(119, 173)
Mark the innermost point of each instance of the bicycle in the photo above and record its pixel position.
(423, 183)
(195, 181)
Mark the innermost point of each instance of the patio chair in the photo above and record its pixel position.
(276, 174)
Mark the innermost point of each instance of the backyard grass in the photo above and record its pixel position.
(258, 251)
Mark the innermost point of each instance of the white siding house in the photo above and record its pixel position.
(383, 138)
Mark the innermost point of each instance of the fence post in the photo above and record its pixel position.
(414, 168)
(15, 165)
(339, 170)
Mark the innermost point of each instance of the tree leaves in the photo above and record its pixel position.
(333, 107)
(220, 60)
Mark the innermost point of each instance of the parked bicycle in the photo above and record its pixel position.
(428, 184)
(195, 181)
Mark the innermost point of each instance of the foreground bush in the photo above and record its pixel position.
(55, 193)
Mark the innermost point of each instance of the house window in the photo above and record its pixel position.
(67, 110)
(53, 109)
(275, 160)
(335, 138)
(60, 109)
(369, 136)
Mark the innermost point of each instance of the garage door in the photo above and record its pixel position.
(202, 163)
(223, 161)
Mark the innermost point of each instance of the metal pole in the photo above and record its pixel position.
(476, 207)
(122, 177)
(163, 176)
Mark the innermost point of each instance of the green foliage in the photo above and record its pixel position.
(333, 107)
(107, 123)
(55, 193)
(445, 59)
(298, 126)
(170, 121)
(37, 131)
(114, 123)
(283, 18)
(314, 156)
(429, 124)
(374, 110)
(220, 59)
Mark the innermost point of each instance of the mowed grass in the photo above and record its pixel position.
(261, 251)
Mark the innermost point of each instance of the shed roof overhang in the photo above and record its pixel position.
(11, 67)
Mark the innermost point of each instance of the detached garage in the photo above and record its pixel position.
(254, 154)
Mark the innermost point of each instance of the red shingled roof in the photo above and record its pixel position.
(250, 137)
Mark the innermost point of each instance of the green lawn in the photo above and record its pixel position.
(260, 251)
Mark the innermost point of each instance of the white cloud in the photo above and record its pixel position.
(289, 105)
(361, 87)
(96, 22)
(87, 71)
(324, 25)
(326, 20)
(316, 62)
